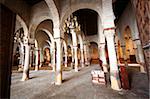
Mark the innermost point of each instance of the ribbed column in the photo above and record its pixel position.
(114, 72)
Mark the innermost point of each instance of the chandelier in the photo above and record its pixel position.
(71, 23)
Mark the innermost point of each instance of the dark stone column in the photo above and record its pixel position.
(7, 26)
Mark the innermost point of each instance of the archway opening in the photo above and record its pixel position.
(88, 19)
(93, 49)
(129, 46)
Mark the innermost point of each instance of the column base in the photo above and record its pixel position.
(115, 81)
(65, 64)
(54, 69)
(142, 70)
(58, 80)
(36, 68)
(20, 68)
(24, 77)
(82, 64)
(72, 65)
(105, 68)
(76, 69)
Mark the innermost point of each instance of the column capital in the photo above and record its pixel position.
(137, 41)
(102, 45)
(25, 40)
(109, 32)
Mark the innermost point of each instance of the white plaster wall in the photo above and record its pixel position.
(127, 19)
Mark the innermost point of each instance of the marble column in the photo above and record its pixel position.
(65, 58)
(85, 54)
(140, 54)
(114, 72)
(75, 47)
(25, 75)
(21, 60)
(72, 61)
(36, 59)
(58, 80)
(82, 57)
(103, 57)
(41, 57)
(117, 53)
(124, 52)
(53, 59)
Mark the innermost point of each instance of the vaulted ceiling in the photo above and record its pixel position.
(118, 7)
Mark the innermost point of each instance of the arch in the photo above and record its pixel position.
(80, 40)
(54, 11)
(47, 56)
(129, 45)
(34, 25)
(94, 52)
(48, 33)
(64, 45)
(68, 12)
(21, 21)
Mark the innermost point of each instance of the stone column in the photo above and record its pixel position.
(140, 54)
(117, 53)
(21, 60)
(72, 52)
(82, 57)
(36, 59)
(53, 59)
(85, 54)
(103, 57)
(75, 47)
(114, 72)
(65, 58)
(58, 62)
(124, 52)
(25, 75)
(41, 57)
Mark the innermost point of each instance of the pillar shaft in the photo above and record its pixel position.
(74, 39)
(85, 54)
(65, 58)
(53, 59)
(21, 50)
(114, 73)
(26, 63)
(36, 59)
(82, 57)
(103, 57)
(58, 63)
(140, 54)
(76, 58)
(72, 52)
